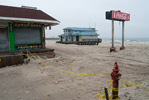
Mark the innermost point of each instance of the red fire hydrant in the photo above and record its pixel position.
(115, 75)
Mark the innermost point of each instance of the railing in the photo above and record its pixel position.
(92, 40)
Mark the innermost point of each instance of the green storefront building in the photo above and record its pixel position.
(23, 27)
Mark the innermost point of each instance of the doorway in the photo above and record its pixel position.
(77, 38)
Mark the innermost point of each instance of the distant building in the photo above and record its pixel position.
(79, 36)
(23, 27)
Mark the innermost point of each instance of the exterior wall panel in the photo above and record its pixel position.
(74, 38)
(89, 37)
(11, 36)
(4, 40)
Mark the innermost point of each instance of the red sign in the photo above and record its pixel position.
(120, 16)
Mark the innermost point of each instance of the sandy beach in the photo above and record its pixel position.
(35, 81)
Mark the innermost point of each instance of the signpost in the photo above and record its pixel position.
(117, 16)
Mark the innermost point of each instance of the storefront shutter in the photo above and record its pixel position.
(27, 36)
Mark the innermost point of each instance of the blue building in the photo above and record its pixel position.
(79, 35)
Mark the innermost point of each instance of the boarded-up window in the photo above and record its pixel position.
(27, 36)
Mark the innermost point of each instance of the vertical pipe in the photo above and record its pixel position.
(112, 33)
(123, 34)
(123, 47)
(106, 93)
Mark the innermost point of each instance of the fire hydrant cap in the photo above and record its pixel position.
(116, 67)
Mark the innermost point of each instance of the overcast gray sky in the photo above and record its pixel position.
(91, 13)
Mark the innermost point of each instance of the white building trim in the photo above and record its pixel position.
(29, 20)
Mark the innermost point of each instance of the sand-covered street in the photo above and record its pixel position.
(35, 81)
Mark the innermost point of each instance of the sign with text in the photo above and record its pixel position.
(120, 16)
(117, 15)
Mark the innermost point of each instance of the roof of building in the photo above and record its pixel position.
(80, 34)
(79, 29)
(24, 14)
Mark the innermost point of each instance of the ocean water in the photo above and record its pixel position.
(134, 40)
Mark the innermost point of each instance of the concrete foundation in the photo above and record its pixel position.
(9, 58)
(112, 49)
(122, 48)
